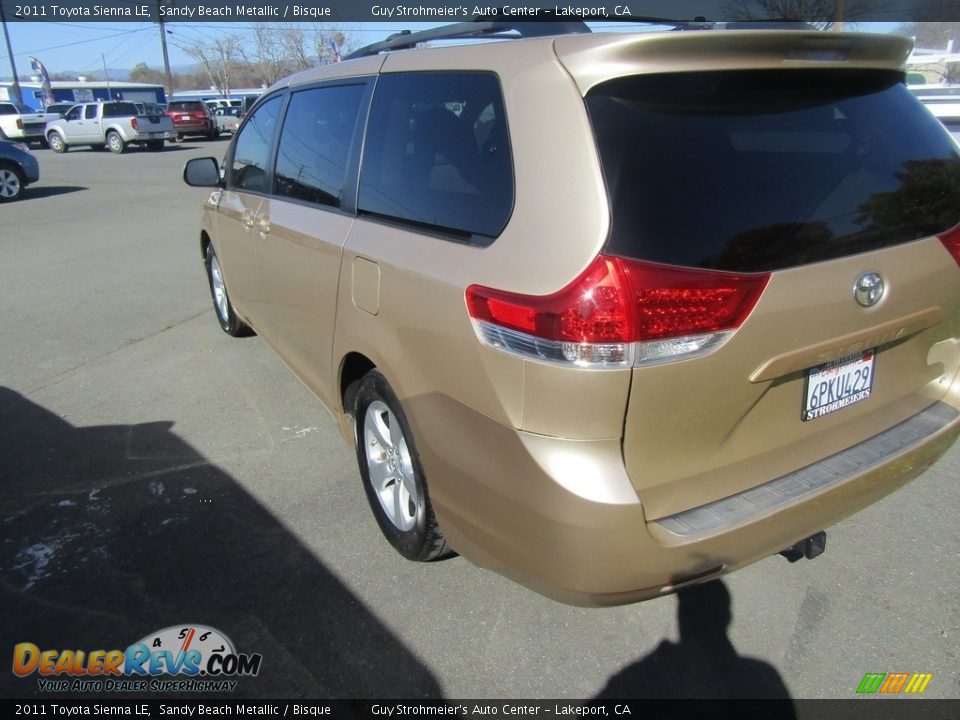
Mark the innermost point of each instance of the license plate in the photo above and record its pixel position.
(156, 135)
(837, 384)
(184, 117)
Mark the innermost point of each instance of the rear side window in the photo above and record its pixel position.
(437, 153)
(315, 143)
(760, 170)
(251, 154)
(119, 110)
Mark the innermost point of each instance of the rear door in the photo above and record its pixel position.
(301, 229)
(826, 187)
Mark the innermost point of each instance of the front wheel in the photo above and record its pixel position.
(12, 183)
(56, 143)
(115, 143)
(392, 475)
(229, 322)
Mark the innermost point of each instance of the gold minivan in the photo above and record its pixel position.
(606, 313)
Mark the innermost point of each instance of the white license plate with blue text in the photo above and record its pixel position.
(837, 384)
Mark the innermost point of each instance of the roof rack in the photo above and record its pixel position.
(478, 29)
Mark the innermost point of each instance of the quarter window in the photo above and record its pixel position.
(251, 154)
(315, 143)
(437, 153)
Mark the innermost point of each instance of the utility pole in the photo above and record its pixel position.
(166, 57)
(106, 76)
(838, 10)
(17, 95)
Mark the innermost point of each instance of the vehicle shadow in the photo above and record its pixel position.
(112, 533)
(704, 664)
(35, 193)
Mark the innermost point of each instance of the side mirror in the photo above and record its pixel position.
(202, 172)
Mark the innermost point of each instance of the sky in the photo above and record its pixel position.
(78, 46)
(62, 46)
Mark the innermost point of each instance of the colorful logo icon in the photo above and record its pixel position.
(190, 651)
(893, 683)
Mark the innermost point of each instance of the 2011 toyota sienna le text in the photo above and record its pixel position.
(606, 313)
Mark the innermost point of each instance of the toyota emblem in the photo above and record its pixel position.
(868, 289)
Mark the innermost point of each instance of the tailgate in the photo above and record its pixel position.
(738, 417)
(804, 179)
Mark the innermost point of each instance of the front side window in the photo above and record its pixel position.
(74, 113)
(437, 153)
(251, 154)
(315, 143)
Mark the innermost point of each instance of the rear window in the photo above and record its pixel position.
(119, 110)
(437, 153)
(186, 107)
(760, 170)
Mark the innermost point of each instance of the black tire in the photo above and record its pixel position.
(223, 308)
(12, 182)
(214, 134)
(115, 143)
(411, 527)
(56, 142)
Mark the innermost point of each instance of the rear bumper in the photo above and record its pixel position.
(562, 517)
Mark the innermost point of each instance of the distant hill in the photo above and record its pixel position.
(117, 74)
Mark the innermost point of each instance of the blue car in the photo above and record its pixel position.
(18, 168)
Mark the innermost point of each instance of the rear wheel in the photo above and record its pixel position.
(115, 143)
(56, 143)
(12, 183)
(392, 475)
(229, 322)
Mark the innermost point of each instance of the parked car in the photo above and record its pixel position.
(227, 119)
(21, 122)
(113, 125)
(609, 314)
(18, 168)
(192, 117)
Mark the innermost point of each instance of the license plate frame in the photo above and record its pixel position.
(838, 384)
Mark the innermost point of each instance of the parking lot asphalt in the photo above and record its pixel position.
(159, 473)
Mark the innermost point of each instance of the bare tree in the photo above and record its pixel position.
(269, 58)
(821, 13)
(221, 59)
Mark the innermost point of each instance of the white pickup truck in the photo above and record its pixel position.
(108, 124)
(20, 122)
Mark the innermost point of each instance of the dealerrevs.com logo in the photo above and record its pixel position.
(181, 658)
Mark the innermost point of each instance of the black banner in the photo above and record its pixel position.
(865, 709)
(440, 10)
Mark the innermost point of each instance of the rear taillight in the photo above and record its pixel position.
(617, 313)
(951, 241)
(133, 123)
